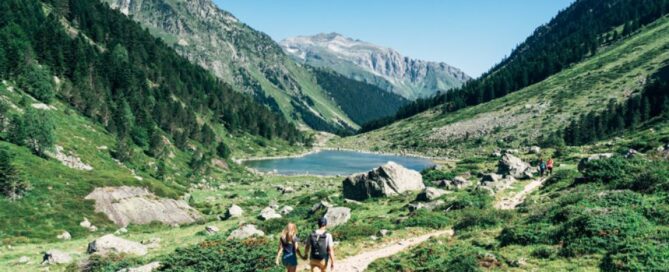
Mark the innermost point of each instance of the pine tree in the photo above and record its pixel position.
(39, 131)
(38, 81)
(11, 183)
(161, 170)
(4, 109)
(123, 151)
(223, 150)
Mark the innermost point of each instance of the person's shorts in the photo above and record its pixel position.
(289, 260)
(320, 264)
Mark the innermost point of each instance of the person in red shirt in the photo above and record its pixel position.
(549, 166)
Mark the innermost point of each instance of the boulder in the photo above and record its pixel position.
(594, 157)
(387, 180)
(121, 231)
(144, 268)
(85, 224)
(112, 244)
(384, 232)
(268, 214)
(428, 194)
(513, 166)
(57, 257)
(534, 150)
(24, 260)
(490, 177)
(337, 216)
(234, 211)
(286, 210)
(152, 243)
(245, 232)
(64, 236)
(322, 205)
(425, 205)
(455, 184)
(631, 153)
(211, 229)
(496, 183)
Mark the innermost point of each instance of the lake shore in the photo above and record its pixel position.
(319, 149)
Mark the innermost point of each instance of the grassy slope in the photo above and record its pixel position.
(56, 201)
(614, 72)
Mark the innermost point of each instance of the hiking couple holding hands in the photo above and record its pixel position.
(319, 247)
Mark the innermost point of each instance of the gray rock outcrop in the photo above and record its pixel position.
(55, 256)
(268, 214)
(455, 184)
(111, 244)
(234, 211)
(245, 231)
(134, 205)
(514, 166)
(387, 180)
(429, 194)
(337, 216)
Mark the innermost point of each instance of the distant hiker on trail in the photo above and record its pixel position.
(542, 167)
(549, 166)
(321, 248)
(288, 245)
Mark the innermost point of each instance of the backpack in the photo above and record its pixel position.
(319, 247)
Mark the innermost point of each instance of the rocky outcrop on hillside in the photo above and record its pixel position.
(387, 180)
(515, 167)
(110, 244)
(134, 205)
(374, 64)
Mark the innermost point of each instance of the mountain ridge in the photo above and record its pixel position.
(374, 64)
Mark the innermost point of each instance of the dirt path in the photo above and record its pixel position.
(512, 202)
(359, 263)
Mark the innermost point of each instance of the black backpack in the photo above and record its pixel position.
(319, 247)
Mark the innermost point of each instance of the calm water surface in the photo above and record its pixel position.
(332, 163)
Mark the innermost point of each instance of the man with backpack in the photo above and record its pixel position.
(321, 248)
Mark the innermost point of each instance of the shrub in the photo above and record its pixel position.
(544, 252)
(475, 199)
(560, 179)
(431, 174)
(476, 218)
(598, 230)
(432, 255)
(353, 231)
(526, 234)
(637, 255)
(37, 81)
(427, 219)
(218, 254)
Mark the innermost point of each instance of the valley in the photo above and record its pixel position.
(167, 135)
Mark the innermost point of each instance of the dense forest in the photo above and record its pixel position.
(550, 49)
(116, 73)
(362, 102)
(652, 102)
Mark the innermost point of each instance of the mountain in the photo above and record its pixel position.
(533, 96)
(247, 59)
(380, 66)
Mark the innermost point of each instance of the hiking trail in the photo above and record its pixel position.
(510, 203)
(359, 263)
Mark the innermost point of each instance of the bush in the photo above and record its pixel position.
(37, 81)
(544, 252)
(475, 199)
(432, 174)
(598, 230)
(219, 254)
(476, 218)
(432, 255)
(356, 230)
(526, 234)
(427, 219)
(637, 255)
(560, 179)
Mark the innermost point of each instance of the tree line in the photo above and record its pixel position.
(573, 35)
(116, 73)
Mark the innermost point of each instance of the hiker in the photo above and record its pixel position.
(320, 247)
(542, 167)
(549, 166)
(289, 248)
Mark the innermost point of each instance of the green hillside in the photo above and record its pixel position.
(522, 118)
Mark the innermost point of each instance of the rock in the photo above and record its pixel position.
(511, 151)
(428, 194)
(121, 231)
(496, 183)
(337, 216)
(24, 260)
(490, 177)
(268, 214)
(594, 157)
(286, 210)
(488, 260)
(70, 160)
(245, 232)
(152, 243)
(288, 190)
(631, 153)
(384, 232)
(145, 268)
(322, 205)
(135, 205)
(425, 205)
(513, 166)
(351, 201)
(488, 190)
(64, 236)
(455, 184)
(85, 224)
(521, 262)
(534, 150)
(388, 180)
(211, 229)
(496, 154)
(57, 257)
(112, 244)
(234, 211)
(93, 229)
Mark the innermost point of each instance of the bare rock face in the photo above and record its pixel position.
(134, 205)
(388, 180)
(514, 166)
(111, 244)
(429, 194)
(69, 159)
(245, 232)
(337, 216)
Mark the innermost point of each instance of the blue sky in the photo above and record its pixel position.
(469, 34)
